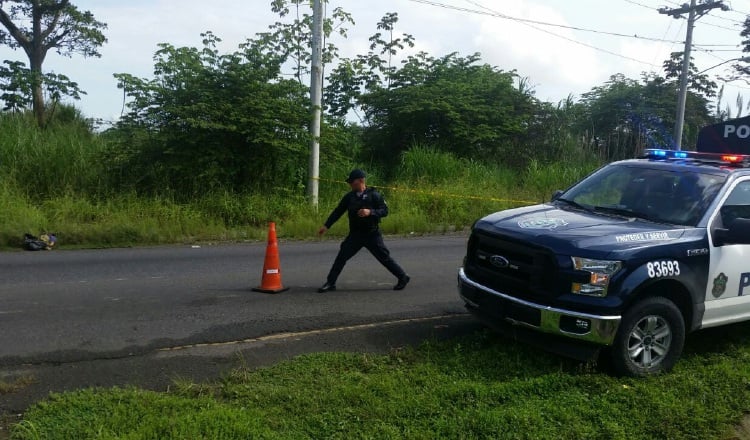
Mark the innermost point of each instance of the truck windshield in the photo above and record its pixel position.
(661, 195)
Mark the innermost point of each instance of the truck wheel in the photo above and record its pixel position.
(650, 338)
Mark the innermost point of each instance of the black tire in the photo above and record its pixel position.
(650, 338)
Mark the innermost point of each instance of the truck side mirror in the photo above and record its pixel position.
(738, 232)
(557, 194)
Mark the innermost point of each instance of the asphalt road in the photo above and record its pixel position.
(146, 316)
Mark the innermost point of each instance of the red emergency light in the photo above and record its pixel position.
(733, 158)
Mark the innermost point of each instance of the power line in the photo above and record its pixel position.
(720, 26)
(721, 50)
(640, 4)
(671, 47)
(526, 23)
(713, 16)
(531, 23)
(492, 13)
(711, 48)
(718, 17)
(708, 24)
(737, 11)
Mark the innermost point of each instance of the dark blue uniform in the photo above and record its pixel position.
(363, 232)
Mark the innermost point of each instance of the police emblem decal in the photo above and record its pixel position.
(541, 223)
(720, 285)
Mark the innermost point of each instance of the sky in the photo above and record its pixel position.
(561, 47)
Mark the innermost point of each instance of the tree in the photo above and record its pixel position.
(352, 77)
(741, 71)
(742, 68)
(624, 116)
(211, 121)
(452, 103)
(15, 83)
(294, 39)
(697, 83)
(554, 132)
(38, 26)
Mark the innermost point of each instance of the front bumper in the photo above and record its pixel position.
(597, 329)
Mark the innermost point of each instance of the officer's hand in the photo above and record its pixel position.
(364, 212)
(322, 230)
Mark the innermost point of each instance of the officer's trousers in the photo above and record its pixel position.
(373, 242)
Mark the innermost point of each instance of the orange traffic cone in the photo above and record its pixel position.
(271, 282)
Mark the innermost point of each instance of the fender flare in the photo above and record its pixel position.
(685, 287)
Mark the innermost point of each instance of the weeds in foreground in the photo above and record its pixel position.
(479, 386)
(15, 385)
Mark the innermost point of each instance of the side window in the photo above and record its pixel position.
(737, 204)
(740, 194)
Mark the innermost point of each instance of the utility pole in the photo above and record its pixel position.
(694, 12)
(316, 92)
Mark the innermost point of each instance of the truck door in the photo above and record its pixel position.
(728, 288)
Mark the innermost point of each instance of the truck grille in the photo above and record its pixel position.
(511, 266)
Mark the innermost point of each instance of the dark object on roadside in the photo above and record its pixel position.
(45, 242)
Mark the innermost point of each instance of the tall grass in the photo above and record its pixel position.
(55, 180)
(437, 192)
(539, 178)
(47, 163)
(424, 164)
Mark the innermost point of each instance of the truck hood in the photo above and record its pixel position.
(558, 229)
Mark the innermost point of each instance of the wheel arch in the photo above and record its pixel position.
(672, 290)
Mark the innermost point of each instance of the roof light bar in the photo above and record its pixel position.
(659, 153)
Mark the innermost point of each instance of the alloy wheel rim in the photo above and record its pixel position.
(649, 341)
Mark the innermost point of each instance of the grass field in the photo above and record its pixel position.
(478, 387)
(434, 193)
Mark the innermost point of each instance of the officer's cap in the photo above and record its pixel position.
(355, 174)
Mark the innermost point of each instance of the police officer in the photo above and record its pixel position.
(365, 207)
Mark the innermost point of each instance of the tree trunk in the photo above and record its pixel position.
(37, 96)
(36, 53)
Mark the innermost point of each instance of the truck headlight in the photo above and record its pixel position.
(600, 271)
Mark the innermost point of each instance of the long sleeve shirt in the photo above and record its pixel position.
(352, 202)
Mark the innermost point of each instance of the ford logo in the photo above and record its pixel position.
(499, 261)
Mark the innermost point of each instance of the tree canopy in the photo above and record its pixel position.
(626, 115)
(208, 120)
(36, 27)
(454, 103)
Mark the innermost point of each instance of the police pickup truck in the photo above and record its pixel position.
(629, 259)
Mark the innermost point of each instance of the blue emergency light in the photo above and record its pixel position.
(659, 153)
